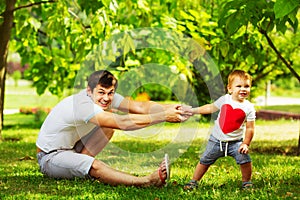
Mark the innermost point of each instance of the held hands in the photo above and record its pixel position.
(187, 110)
(244, 149)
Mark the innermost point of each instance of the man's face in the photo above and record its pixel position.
(102, 96)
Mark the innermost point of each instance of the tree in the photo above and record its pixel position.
(5, 30)
(53, 37)
(240, 17)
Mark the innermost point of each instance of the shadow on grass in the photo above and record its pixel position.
(285, 147)
(21, 121)
(33, 125)
(37, 186)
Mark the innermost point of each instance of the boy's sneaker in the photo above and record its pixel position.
(247, 185)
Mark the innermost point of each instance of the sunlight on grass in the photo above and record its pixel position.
(277, 130)
(26, 96)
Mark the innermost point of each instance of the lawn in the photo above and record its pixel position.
(276, 172)
(284, 108)
(25, 96)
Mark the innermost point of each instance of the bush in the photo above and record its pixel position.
(33, 110)
(39, 113)
(155, 92)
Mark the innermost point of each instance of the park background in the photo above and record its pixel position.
(47, 42)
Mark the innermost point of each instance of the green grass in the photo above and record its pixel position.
(293, 93)
(285, 108)
(276, 172)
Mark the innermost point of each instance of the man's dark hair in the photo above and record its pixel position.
(102, 77)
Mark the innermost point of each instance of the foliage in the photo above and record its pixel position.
(157, 92)
(245, 22)
(226, 30)
(275, 168)
(62, 41)
(34, 110)
(287, 83)
(39, 113)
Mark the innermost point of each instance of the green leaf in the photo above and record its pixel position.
(191, 26)
(128, 44)
(281, 25)
(234, 22)
(106, 3)
(35, 23)
(267, 25)
(131, 63)
(224, 47)
(229, 7)
(195, 13)
(293, 20)
(143, 5)
(185, 15)
(284, 7)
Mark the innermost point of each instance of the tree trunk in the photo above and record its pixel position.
(5, 30)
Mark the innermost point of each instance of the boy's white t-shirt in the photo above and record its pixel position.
(230, 124)
(68, 121)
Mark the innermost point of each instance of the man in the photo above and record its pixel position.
(81, 125)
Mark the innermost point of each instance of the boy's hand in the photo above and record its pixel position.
(187, 110)
(244, 149)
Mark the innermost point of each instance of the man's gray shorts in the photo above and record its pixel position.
(65, 164)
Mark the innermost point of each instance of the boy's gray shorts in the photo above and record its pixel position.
(65, 164)
(214, 151)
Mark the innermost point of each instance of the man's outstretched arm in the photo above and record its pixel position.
(137, 121)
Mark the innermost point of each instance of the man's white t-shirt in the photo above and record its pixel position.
(68, 121)
(230, 124)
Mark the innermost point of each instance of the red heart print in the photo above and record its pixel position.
(231, 119)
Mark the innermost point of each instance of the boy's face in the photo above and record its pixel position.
(102, 96)
(239, 89)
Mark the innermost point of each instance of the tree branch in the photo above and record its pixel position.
(288, 65)
(261, 75)
(34, 4)
(29, 5)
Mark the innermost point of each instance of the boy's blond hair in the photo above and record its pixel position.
(239, 73)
